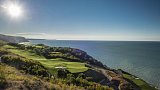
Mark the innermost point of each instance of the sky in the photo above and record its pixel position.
(131, 20)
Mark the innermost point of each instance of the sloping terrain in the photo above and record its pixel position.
(12, 39)
(58, 68)
(25, 71)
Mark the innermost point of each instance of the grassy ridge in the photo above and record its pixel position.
(32, 64)
(141, 83)
(73, 67)
(13, 79)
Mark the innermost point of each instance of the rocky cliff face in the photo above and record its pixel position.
(12, 39)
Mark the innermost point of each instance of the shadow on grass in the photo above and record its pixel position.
(2, 81)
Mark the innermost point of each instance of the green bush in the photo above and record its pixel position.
(82, 82)
(30, 66)
(2, 43)
(2, 78)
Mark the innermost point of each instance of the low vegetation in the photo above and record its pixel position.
(73, 67)
(30, 66)
(22, 67)
(141, 83)
(57, 68)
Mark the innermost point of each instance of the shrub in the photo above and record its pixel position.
(2, 77)
(2, 43)
(30, 66)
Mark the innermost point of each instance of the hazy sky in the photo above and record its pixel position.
(85, 19)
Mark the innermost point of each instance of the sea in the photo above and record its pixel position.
(140, 58)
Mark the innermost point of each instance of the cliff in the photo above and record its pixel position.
(12, 39)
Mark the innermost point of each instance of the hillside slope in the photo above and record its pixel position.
(59, 68)
(20, 71)
(12, 39)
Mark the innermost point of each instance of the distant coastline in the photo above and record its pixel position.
(35, 39)
(97, 40)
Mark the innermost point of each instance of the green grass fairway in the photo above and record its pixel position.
(24, 53)
(141, 83)
(73, 67)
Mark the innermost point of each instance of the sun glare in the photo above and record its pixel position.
(14, 10)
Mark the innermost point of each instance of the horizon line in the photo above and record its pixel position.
(91, 40)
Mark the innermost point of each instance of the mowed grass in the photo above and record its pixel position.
(25, 53)
(141, 83)
(73, 67)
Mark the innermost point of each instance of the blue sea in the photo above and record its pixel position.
(140, 58)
